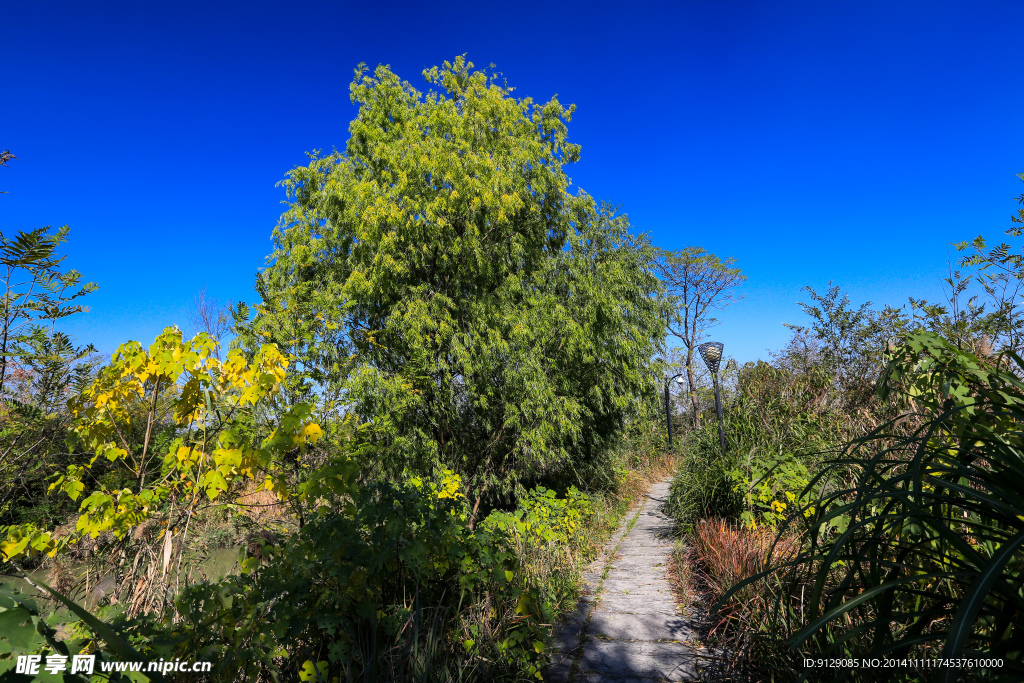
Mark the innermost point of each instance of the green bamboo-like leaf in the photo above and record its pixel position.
(815, 625)
(972, 602)
(118, 645)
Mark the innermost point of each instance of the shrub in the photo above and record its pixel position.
(780, 424)
(701, 486)
(387, 582)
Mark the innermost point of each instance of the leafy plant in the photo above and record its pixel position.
(385, 582)
(35, 291)
(39, 365)
(772, 490)
(214, 447)
(844, 347)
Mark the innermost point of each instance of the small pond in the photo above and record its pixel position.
(217, 563)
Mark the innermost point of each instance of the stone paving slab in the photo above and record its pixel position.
(617, 660)
(635, 564)
(624, 585)
(626, 550)
(621, 577)
(642, 593)
(623, 605)
(639, 627)
(636, 540)
(651, 557)
(627, 586)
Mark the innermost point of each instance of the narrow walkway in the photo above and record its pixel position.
(627, 625)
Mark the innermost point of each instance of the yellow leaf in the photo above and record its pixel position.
(228, 457)
(309, 671)
(311, 432)
(113, 453)
(215, 484)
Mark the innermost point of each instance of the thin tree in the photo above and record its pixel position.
(207, 315)
(698, 283)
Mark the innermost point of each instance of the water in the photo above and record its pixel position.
(91, 589)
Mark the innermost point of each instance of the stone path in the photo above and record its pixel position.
(627, 626)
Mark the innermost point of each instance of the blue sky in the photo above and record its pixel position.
(812, 141)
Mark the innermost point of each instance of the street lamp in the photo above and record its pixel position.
(668, 415)
(711, 352)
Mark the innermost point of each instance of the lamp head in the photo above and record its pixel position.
(679, 380)
(711, 353)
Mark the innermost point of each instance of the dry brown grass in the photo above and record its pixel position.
(641, 472)
(262, 505)
(680, 574)
(729, 552)
(715, 556)
(725, 553)
(62, 578)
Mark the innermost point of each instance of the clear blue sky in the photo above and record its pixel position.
(813, 141)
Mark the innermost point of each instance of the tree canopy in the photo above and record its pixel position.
(440, 279)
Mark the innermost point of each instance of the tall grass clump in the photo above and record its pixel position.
(779, 419)
(723, 554)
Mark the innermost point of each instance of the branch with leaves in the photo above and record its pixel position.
(214, 406)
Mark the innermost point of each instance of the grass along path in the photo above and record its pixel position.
(627, 625)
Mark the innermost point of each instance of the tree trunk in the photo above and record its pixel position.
(691, 383)
(480, 496)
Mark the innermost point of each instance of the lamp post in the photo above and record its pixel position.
(711, 353)
(668, 414)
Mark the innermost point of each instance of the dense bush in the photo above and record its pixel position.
(389, 583)
(909, 543)
(923, 556)
(779, 420)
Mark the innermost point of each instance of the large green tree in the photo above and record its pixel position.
(39, 365)
(439, 278)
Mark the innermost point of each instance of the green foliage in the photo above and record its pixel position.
(385, 582)
(779, 420)
(701, 486)
(910, 533)
(922, 554)
(771, 489)
(24, 631)
(35, 292)
(39, 366)
(212, 451)
(982, 311)
(543, 515)
(439, 277)
(843, 346)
